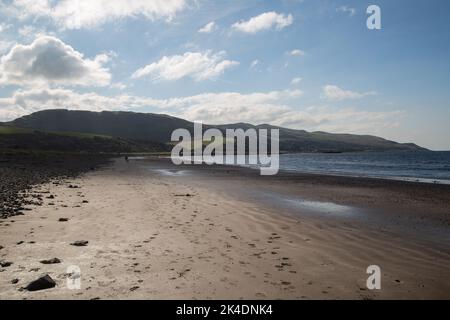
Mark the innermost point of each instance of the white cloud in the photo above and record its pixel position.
(5, 46)
(296, 53)
(332, 92)
(30, 100)
(254, 63)
(69, 14)
(208, 28)
(346, 120)
(344, 9)
(296, 81)
(265, 21)
(276, 108)
(30, 32)
(49, 60)
(197, 65)
(23, 102)
(229, 107)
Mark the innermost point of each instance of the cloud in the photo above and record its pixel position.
(296, 80)
(344, 9)
(27, 31)
(229, 107)
(346, 120)
(26, 101)
(212, 108)
(49, 60)
(265, 21)
(208, 28)
(296, 53)
(197, 65)
(275, 108)
(254, 63)
(69, 14)
(5, 46)
(223, 107)
(332, 92)
(118, 86)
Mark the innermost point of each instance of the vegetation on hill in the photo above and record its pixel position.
(14, 138)
(140, 132)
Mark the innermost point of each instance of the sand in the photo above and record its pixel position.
(156, 232)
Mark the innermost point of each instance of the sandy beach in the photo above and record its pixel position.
(156, 231)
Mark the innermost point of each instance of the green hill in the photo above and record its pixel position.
(117, 127)
(14, 138)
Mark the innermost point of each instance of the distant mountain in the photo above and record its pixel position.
(140, 126)
(158, 128)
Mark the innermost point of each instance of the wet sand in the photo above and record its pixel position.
(156, 231)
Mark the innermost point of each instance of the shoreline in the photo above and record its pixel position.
(405, 178)
(156, 231)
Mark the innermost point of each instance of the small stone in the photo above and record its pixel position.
(20, 242)
(80, 243)
(63, 219)
(134, 288)
(50, 261)
(5, 264)
(45, 282)
(14, 281)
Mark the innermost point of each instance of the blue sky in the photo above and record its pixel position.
(310, 64)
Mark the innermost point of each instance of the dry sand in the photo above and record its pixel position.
(149, 240)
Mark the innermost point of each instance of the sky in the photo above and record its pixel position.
(302, 64)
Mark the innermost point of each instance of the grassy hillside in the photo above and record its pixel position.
(14, 138)
(152, 127)
(156, 127)
(8, 130)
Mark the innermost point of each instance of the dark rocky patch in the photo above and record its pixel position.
(50, 261)
(20, 171)
(5, 264)
(45, 282)
(80, 243)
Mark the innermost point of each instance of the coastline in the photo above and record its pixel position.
(353, 168)
(156, 231)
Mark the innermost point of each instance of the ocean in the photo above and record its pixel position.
(423, 166)
(419, 166)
